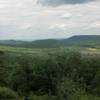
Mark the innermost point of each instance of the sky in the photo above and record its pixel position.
(42, 19)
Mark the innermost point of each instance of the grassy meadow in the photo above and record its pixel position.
(64, 73)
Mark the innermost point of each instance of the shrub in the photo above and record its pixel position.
(69, 63)
(89, 75)
(41, 97)
(66, 89)
(36, 97)
(22, 77)
(8, 94)
(82, 96)
(45, 76)
(3, 69)
(1, 52)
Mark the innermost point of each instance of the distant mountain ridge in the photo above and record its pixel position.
(79, 40)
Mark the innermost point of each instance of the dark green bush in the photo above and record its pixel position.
(2, 52)
(22, 77)
(8, 94)
(69, 63)
(43, 97)
(66, 89)
(89, 75)
(3, 69)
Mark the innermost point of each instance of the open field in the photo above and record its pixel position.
(86, 51)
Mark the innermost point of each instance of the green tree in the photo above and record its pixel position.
(66, 89)
(3, 69)
(22, 77)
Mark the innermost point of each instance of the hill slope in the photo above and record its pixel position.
(80, 40)
(83, 40)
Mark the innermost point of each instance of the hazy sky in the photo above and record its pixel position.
(38, 19)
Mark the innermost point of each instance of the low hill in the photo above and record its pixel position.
(83, 40)
(80, 40)
(46, 43)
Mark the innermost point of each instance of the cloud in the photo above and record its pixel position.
(60, 2)
(94, 25)
(24, 19)
(66, 16)
(58, 26)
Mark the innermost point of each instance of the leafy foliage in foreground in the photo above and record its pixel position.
(8, 94)
(55, 76)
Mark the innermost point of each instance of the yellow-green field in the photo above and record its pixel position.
(90, 51)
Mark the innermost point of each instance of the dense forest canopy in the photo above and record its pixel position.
(60, 75)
